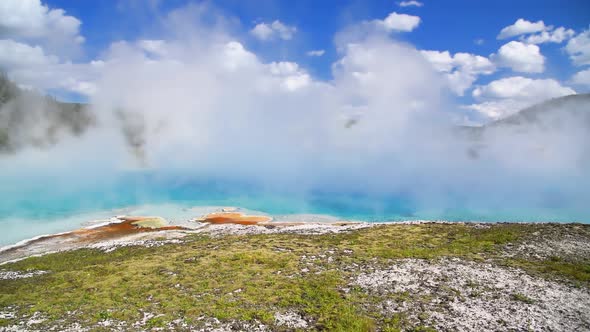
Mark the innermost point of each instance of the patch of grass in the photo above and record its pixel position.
(395, 323)
(104, 315)
(247, 278)
(155, 322)
(4, 322)
(576, 271)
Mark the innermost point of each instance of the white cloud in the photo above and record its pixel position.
(293, 77)
(522, 88)
(63, 77)
(265, 31)
(262, 31)
(316, 52)
(84, 88)
(461, 70)
(283, 68)
(398, 22)
(31, 66)
(558, 35)
(32, 20)
(506, 96)
(538, 32)
(582, 78)
(235, 56)
(411, 3)
(442, 61)
(14, 55)
(578, 48)
(520, 57)
(520, 27)
(155, 47)
(394, 22)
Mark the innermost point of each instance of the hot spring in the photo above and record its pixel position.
(42, 205)
(210, 123)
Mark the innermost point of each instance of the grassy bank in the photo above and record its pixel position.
(248, 279)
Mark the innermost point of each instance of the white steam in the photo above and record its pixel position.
(209, 108)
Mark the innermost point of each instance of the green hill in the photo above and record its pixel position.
(553, 113)
(557, 123)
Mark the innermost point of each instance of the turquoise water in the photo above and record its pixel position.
(45, 205)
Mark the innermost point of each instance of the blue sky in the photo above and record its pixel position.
(451, 25)
(455, 26)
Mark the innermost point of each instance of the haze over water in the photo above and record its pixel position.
(40, 209)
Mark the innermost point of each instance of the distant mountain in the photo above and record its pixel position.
(28, 118)
(551, 113)
(557, 124)
(556, 113)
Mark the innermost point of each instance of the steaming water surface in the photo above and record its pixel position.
(376, 142)
(42, 206)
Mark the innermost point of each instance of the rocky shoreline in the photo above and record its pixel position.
(215, 221)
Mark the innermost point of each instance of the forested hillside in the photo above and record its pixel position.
(28, 118)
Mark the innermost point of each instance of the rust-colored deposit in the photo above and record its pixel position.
(234, 218)
(127, 226)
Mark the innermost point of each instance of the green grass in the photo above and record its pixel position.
(578, 271)
(247, 278)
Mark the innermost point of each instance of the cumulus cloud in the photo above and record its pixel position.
(461, 69)
(35, 42)
(59, 78)
(557, 36)
(393, 23)
(578, 48)
(536, 32)
(520, 57)
(269, 31)
(522, 88)
(520, 27)
(293, 77)
(398, 22)
(14, 55)
(155, 47)
(506, 96)
(85, 88)
(31, 67)
(411, 3)
(582, 78)
(315, 53)
(30, 20)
